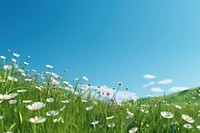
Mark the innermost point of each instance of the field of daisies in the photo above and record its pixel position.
(44, 102)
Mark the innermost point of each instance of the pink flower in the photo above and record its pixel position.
(108, 93)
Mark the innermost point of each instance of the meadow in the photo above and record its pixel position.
(44, 102)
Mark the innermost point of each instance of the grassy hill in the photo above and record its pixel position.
(190, 96)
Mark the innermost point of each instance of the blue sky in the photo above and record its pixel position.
(108, 41)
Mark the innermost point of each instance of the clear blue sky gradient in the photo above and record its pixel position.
(107, 40)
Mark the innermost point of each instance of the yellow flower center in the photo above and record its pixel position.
(188, 119)
(34, 108)
(5, 97)
(167, 115)
(37, 121)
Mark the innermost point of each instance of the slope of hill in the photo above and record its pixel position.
(184, 97)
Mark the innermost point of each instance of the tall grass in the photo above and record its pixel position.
(79, 111)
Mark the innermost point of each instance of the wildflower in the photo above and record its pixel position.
(12, 101)
(198, 127)
(52, 113)
(187, 118)
(37, 120)
(145, 111)
(178, 107)
(66, 101)
(133, 130)
(55, 82)
(114, 108)
(16, 55)
(94, 123)
(8, 97)
(14, 60)
(188, 126)
(109, 118)
(167, 115)
(21, 91)
(27, 101)
(111, 125)
(28, 57)
(174, 123)
(65, 83)
(107, 93)
(7, 67)
(16, 66)
(50, 100)
(28, 80)
(33, 70)
(120, 83)
(36, 106)
(85, 78)
(1, 117)
(130, 115)
(121, 107)
(12, 79)
(84, 101)
(26, 63)
(21, 70)
(89, 108)
(76, 79)
(49, 66)
(3, 57)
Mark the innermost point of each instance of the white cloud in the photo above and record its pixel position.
(121, 95)
(177, 89)
(157, 90)
(149, 76)
(149, 84)
(166, 81)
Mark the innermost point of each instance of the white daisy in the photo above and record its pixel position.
(36, 106)
(109, 118)
(94, 123)
(111, 125)
(7, 67)
(12, 79)
(27, 101)
(8, 97)
(130, 115)
(49, 66)
(188, 126)
(167, 115)
(26, 63)
(50, 100)
(89, 108)
(16, 55)
(12, 101)
(187, 118)
(37, 120)
(85, 78)
(66, 101)
(178, 107)
(52, 113)
(198, 127)
(3, 57)
(133, 130)
(21, 91)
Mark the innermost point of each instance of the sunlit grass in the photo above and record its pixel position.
(47, 103)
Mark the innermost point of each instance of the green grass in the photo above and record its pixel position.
(183, 97)
(74, 118)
